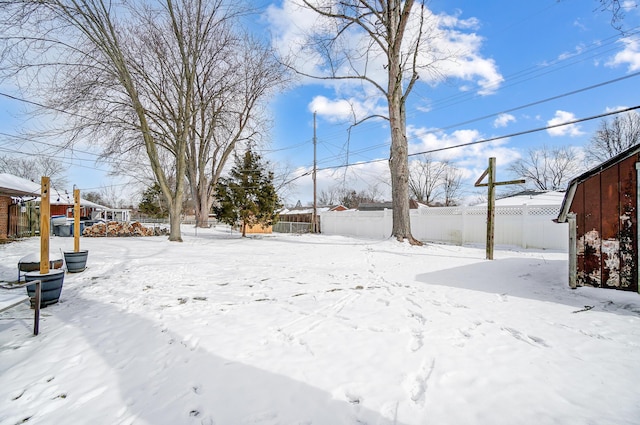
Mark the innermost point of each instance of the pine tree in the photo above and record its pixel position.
(248, 196)
(151, 203)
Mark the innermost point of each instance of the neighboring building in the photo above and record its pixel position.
(531, 197)
(12, 188)
(301, 216)
(112, 214)
(305, 214)
(601, 207)
(381, 206)
(19, 207)
(62, 205)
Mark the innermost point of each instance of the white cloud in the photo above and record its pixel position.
(359, 177)
(452, 46)
(629, 56)
(472, 159)
(571, 130)
(503, 120)
(345, 110)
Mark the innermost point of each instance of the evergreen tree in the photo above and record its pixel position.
(151, 203)
(248, 196)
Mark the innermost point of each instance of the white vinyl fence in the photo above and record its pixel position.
(524, 226)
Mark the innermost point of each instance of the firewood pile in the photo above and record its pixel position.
(114, 228)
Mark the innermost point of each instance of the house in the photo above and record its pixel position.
(19, 203)
(12, 188)
(62, 204)
(601, 207)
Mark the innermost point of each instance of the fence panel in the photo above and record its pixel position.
(291, 227)
(368, 224)
(524, 226)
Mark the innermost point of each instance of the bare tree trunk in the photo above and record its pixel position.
(399, 167)
(399, 158)
(203, 204)
(174, 222)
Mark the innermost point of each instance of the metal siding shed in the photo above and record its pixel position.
(605, 203)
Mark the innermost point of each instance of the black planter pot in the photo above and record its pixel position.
(51, 286)
(76, 261)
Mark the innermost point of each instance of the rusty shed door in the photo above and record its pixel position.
(605, 205)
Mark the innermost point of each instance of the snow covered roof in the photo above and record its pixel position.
(306, 210)
(11, 185)
(531, 198)
(64, 198)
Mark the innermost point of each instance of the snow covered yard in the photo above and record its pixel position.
(322, 330)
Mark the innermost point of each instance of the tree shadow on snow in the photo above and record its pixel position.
(165, 378)
(541, 280)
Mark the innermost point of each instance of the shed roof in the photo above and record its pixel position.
(573, 184)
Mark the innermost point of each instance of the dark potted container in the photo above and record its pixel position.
(76, 260)
(51, 285)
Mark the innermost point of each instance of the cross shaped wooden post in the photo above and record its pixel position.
(491, 201)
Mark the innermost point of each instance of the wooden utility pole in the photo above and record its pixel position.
(490, 173)
(45, 214)
(314, 226)
(76, 220)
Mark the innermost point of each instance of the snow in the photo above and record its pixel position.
(317, 329)
(541, 198)
(17, 186)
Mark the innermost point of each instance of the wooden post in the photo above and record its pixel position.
(314, 216)
(490, 173)
(76, 220)
(491, 207)
(36, 307)
(573, 251)
(45, 213)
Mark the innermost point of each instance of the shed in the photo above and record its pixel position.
(601, 207)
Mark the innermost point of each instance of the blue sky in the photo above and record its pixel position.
(519, 53)
(516, 54)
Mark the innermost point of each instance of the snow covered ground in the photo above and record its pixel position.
(314, 329)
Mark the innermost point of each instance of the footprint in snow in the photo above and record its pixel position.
(417, 340)
(529, 339)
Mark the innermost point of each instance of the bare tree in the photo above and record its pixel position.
(451, 185)
(396, 31)
(548, 168)
(109, 83)
(34, 168)
(351, 198)
(425, 178)
(130, 74)
(614, 137)
(617, 12)
(330, 196)
(230, 92)
(113, 196)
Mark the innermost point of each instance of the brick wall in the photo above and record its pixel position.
(5, 201)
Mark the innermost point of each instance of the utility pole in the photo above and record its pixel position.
(491, 184)
(314, 225)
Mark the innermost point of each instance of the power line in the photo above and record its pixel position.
(492, 139)
(495, 114)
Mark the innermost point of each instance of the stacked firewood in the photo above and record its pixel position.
(114, 228)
